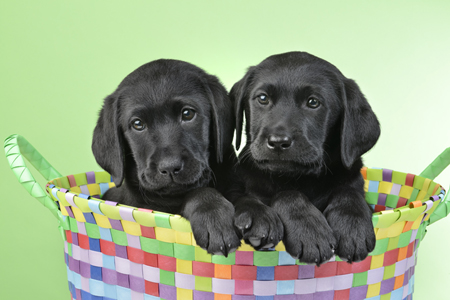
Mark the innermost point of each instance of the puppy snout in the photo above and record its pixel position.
(279, 142)
(170, 166)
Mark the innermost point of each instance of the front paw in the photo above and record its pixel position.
(355, 236)
(214, 230)
(309, 238)
(259, 225)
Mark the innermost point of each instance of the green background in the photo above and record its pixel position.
(59, 59)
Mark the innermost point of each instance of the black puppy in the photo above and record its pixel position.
(307, 126)
(162, 135)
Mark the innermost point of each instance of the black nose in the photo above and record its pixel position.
(279, 142)
(170, 166)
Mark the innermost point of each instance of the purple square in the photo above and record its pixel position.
(306, 271)
(109, 276)
(121, 251)
(74, 265)
(74, 238)
(387, 286)
(387, 175)
(123, 280)
(285, 297)
(167, 292)
(116, 224)
(375, 275)
(200, 295)
(382, 199)
(137, 284)
(305, 297)
(327, 295)
(358, 293)
(241, 297)
(85, 269)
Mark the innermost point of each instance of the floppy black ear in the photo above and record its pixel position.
(221, 115)
(107, 142)
(238, 96)
(360, 128)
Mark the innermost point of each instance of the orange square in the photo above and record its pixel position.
(402, 253)
(222, 297)
(399, 281)
(222, 271)
(408, 226)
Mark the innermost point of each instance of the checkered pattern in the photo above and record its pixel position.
(119, 252)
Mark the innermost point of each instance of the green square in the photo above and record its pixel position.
(167, 277)
(149, 245)
(162, 220)
(80, 179)
(359, 279)
(185, 252)
(102, 177)
(65, 183)
(298, 262)
(392, 200)
(389, 272)
(165, 248)
(399, 177)
(73, 225)
(92, 230)
(372, 198)
(421, 233)
(202, 255)
(69, 249)
(222, 260)
(418, 182)
(404, 239)
(375, 174)
(203, 284)
(337, 258)
(380, 247)
(385, 296)
(265, 258)
(413, 196)
(119, 237)
(65, 223)
(393, 243)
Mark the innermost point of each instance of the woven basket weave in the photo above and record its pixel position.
(119, 252)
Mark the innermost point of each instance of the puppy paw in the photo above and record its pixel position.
(214, 230)
(259, 225)
(309, 238)
(355, 236)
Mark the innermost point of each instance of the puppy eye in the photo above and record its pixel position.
(313, 103)
(138, 124)
(187, 114)
(263, 99)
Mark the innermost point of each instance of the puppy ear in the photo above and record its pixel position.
(238, 96)
(107, 142)
(360, 128)
(222, 116)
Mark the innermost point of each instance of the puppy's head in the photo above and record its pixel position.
(298, 107)
(158, 128)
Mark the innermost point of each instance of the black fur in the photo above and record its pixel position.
(171, 164)
(299, 178)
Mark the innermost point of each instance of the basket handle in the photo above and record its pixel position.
(16, 148)
(432, 171)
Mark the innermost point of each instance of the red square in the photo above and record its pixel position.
(379, 208)
(69, 236)
(286, 273)
(409, 179)
(243, 287)
(342, 294)
(167, 263)
(244, 272)
(390, 257)
(343, 268)
(151, 288)
(410, 249)
(83, 241)
(244, 258)
(325, 270)
(362, 266)
(202, 269)
(135, 255)
(148, 232)
(150, 259)
(107, 247)
(401, 202)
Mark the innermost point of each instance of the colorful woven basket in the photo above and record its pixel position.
(120, 252)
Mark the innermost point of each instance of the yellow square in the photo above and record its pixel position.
(393, 243)
(184, 266)
(165, 234)
(184, 294)
(78, 215)
(382, 233)
(102, 221)
(184, 238)
(406, 191)
(396, 229)
(64, 211)
(373, 290)
(131, 228)
(94, 189)
(385, 187)
(417, 222)
(377, 261)
(75, 189)
(280, 247)
(245, 247)
(366, 185)
(62, 199)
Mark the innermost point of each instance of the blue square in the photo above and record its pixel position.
(85, 295)
(89, 218)
(123, 293)
(285, 259)
(109, 262)
(96, 288)
(110, 291)
(373, 186)
(285, 287)
(105, 234)
(265, 273)
(103, 187)
(76, 280)
(94, 244)
(264, 298)
(96, 273)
